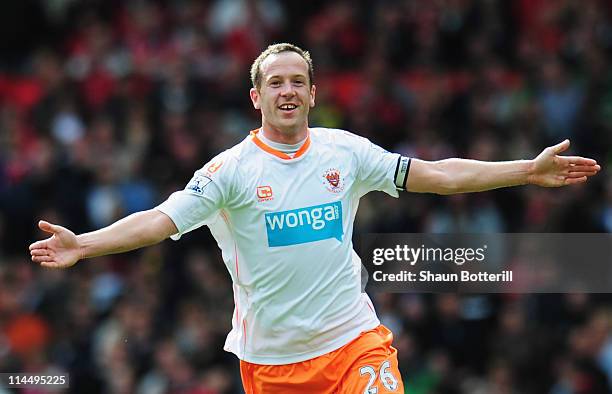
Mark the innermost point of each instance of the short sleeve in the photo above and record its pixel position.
(205, 194)
(376, 168)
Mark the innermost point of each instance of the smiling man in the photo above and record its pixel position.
(281, 206)
(284, 92)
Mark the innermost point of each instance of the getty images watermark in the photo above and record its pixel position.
(492, 263)
(404, 254)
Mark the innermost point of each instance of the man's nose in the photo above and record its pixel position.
(287, 89)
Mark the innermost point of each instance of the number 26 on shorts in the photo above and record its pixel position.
(385, 376)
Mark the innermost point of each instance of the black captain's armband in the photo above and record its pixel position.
(401, 172)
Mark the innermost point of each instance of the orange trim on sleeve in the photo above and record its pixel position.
(278, 153)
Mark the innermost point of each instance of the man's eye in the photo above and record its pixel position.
(299, 83)
(275, 83)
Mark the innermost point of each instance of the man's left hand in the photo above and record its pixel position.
(551, 170)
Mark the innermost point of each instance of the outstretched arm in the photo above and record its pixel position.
(63, 249)
(452, 176)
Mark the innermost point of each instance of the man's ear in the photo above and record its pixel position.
(255, 98)
(313, 90)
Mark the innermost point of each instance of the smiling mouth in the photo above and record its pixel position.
(287, 107)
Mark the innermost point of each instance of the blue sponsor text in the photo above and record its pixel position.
(304, 225)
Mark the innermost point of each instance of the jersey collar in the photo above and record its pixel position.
(277, 153)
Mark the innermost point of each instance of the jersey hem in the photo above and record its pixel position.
(296, 358)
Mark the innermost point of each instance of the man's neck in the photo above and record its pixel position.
(288, 137)
(287, 149)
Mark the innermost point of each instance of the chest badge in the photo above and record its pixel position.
(264, 193)
(332, 180)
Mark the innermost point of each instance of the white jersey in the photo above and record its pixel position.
(284, 226)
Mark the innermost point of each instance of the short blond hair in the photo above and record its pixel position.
(276, 49)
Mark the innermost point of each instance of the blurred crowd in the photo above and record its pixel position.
(107, 106)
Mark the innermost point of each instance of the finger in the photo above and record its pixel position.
(41, 252)
(50, 264)
(39, 245)
(573, 181)
(584, 168)
(48, 227)
(560, 147)
(581, 174)
(42, 259)
(577, 160)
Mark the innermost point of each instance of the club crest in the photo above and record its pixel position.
(332, 179)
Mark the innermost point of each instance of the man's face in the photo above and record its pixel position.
(285, 95)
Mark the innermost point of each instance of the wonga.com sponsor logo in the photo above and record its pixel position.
(304, 225)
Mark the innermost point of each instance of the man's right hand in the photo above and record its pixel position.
(61, 250)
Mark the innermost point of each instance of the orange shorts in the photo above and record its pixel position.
(368, 365)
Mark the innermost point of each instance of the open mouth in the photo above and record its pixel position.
(287, 107)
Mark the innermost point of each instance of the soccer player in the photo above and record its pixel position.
(281, 206)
